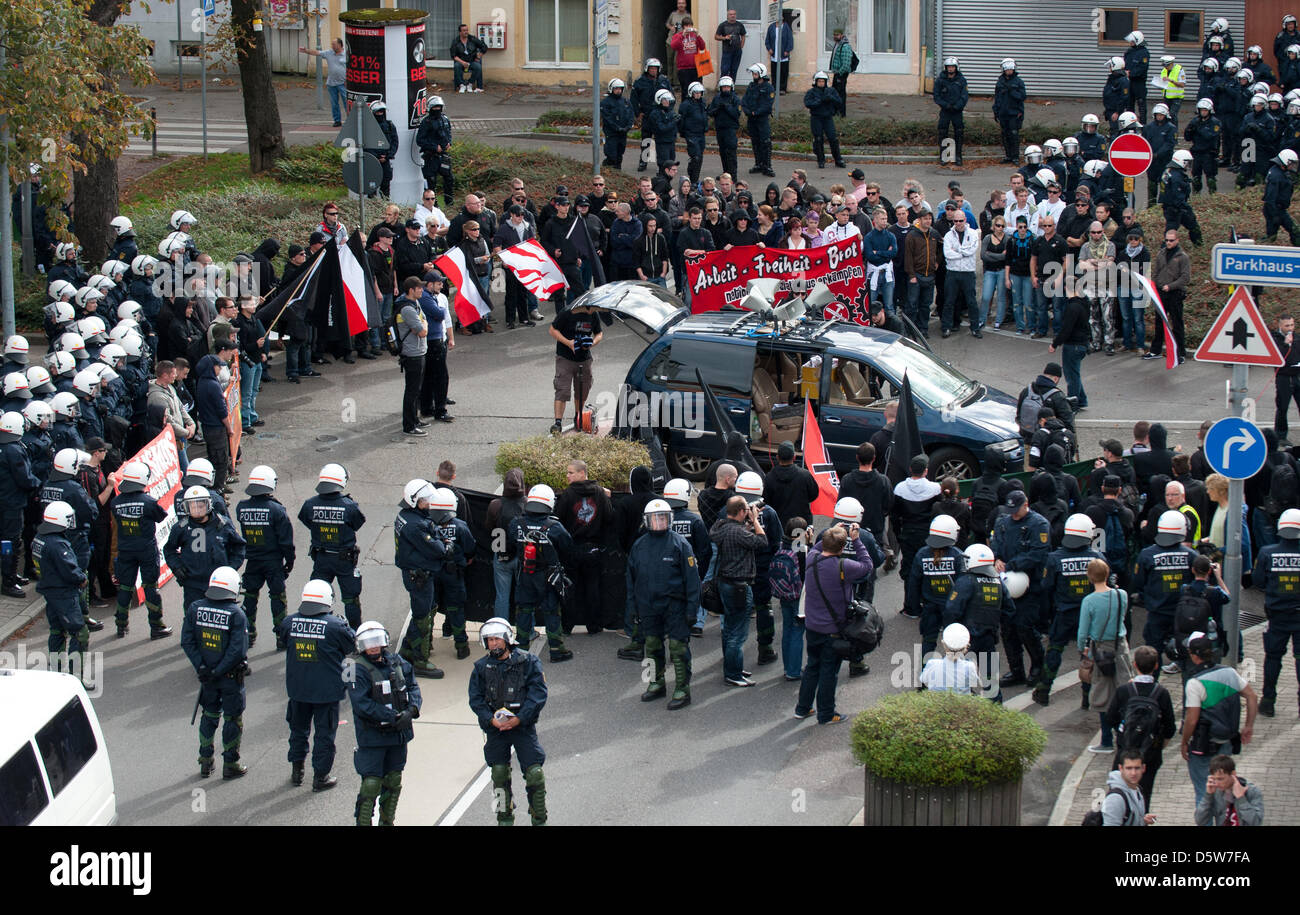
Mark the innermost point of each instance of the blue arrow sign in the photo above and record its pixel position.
(1235, 448)
(209, 7)
(1255, 265)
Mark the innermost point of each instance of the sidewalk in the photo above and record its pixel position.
(1271, 760)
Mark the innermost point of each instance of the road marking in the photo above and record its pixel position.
(470, 795)
(1026, 699)
(1125, 422)
(1070, 787)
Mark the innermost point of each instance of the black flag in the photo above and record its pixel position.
(907, 437)
(286, 311)
(732, 447)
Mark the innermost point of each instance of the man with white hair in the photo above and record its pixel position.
(1176, 500)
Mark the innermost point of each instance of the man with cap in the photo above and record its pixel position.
(513, 230)
(1043, 392)
(413, 253)
(138, 515)
(268, 533)
(1162, 570)
(333, 518)
(556, 236)
(318, 642)
(1277, 571)
(201, 541)
(909, 516)
(542, 545)
(663, 582)
(1065, 585)
(1020, 543)
(931, 576)
(385, 700)
(979, 601)
(214, 637)
(507, 692)
(951, 95)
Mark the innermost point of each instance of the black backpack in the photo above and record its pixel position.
(1141, 724)
(1095, 817)
(1069, 444)
(1117, 549)
(983, 502)
(1191, 614)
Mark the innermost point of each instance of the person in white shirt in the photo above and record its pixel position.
(960, 246)
(1023, 206)
(427, 210)
(841, 228)
(954, 672)
(1053, 206)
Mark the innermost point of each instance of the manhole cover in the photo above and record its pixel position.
(330, 439)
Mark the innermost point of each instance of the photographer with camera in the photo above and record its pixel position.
(738, 537)
(828, 594)
(576, 332)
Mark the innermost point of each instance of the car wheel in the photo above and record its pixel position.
(688, 466)
(952, 462)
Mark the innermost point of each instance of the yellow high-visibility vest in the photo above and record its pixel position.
(1171, 74)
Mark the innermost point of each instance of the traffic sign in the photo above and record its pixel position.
(1235, 448)
(1130, 154)
(209, 7)
(1240, 335)
(1255, 265)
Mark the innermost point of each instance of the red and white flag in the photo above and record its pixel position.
(470, 306)
(818, 461)
(534, 268)
(357, 288)
(1171, 348)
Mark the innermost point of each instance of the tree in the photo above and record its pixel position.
(261, 110)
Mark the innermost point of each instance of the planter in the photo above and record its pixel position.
(891, 803)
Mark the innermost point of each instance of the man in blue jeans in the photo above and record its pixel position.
(737, 537)
(1046, 269)
(1213, 692)
(1072, 340)
(826, 600)
(336, 63)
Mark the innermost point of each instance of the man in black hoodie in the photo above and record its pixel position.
(501, 511)
(1160, 459)
(263, 269)
(1045, 393)
(1072, 341)
(914, 499)
(984, 495)
(587, 514)
(1067, 487)
(790, 490)
(872, 490)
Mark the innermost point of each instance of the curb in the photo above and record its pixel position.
(25, 616)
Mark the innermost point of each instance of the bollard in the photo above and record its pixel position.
(153, 130)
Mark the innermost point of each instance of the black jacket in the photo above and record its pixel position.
(872, 489)
(1074, 325)
(791, 490)
(1056, 399)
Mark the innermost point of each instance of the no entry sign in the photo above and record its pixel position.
(1130, 154)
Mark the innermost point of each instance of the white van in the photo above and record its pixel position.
(54, 768)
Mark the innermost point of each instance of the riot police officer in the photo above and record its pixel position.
(1091, 145)
(1163, 137)
(661, 123)
(1020, 543)
(645, 89)
(61, 577)
(64, 432)
(724, 108)
(677, 493)
(385, 152)
(823, 103)
(663, 582)
(63, 486)
(1009, 109)
(385, 700)
(1116, 94)
(1065, 585)
(138, 515)
(214, 637)
(507, 691)
(694, 118)
(1260, 127)
(1277, 571)
(17, 485)
(542, 544)
(449, 577)
(1137, 63)
(419, 553)
(930, 581)
(333, 519)
(757, 105)
(1175, 198)
(201, 473)
(1162, 570)
(434, 140)
(201, 542)
(1278, 187)
(617, 118)
(317, 642)
(268, 533)
(40, 454)
(90, 417)
(1204, 132)
(952, 96)
(980, 602)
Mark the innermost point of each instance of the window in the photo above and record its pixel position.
(558, 32)
(22, 793)
(875, 28)
(1115, 24)
(888, 27)
(728, 369)
(67, 743)
(441, 28)
(1184, 28)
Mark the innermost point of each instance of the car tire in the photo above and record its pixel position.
(952, 461)
(692, 467)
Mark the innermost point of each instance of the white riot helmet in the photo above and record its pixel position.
(658, 515)
(135, 476)
(653, 62)
(1232, 64)
(677, 492)
(332, 478)
(616, 83)
(663, 95)
(1293, 107)
(1287, 20)
(1288, 524)
(133, 344)
(371, 635)
(1094, 167)
(72, 344)
(64, 404)
(1171, 528)
(63, 249)
(726, 82)
(1275, 97)
(1115, 64)
(172, 243)
(69, 460)
(1288, 159)
(955, 638)
(1258, 100)
(111, 353)
(114, 269)
(1292, 96)
(497, 628)
(120, 225)
(1078, 531)
(142, 263)
(130, 308)
(1043, 176)
(1210, 65)
(16, 386)
(12, 426)
(181, 218)
(435, 101)
(1033, 154)
(59, 288)
(541, 500)
(1070, 145)
(223, 584)
(1205, 105)
(1182, 158)
(1016, 583)
(1135, 37)
(1160, 108)
(38, 413)
(1127, 119)
(694, 88)
(944, 531)
(1216, 41)
(820, 74)
(105, 372)
(1090, 119)
(1219, 25)
(200, 469)
(101, 282)
(979, 559)
(378, 106)
(93, 329)
(123, 329)
(38, 380)
(16, 349)
(197, 497)
(442, 505)
(58, 516)
(758, 70)
(86, 382)
(848, 510)
(87, 294)
(1293, 49)
(262, 481)
(1008, 63)
(951, 62)
(1052, 148)
(415, 491)
(317, 598)
(1260, 89)
(749, 485)
(62, 313)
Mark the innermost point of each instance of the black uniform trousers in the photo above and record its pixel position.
(433, 383)
(302, 717)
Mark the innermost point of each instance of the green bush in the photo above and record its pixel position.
(543, 459)
(941, 738)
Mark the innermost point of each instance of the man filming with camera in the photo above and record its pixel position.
(576, 332)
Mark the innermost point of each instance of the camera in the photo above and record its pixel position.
(583, 341)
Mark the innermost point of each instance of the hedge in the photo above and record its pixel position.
(544, 458)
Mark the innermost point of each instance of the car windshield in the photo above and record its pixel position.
(933, 382)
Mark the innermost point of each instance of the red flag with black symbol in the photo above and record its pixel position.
(818, 461)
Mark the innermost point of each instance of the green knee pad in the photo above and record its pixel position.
(502, 798)
(281, 599)
(680, 653)
(535, 786)
(371, 786)
(388, 796)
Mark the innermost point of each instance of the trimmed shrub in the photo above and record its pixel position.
(544, 458)
(941, 738)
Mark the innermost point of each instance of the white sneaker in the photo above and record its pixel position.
(1100, 749)
(478, 90)
(1171, 668)
(461, 88)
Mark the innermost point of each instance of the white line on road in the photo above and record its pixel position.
(1125, 422)
(464, 802)
(1070, 787)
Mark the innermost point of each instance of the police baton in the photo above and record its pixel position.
(195, 714)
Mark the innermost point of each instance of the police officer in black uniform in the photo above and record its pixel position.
(61, 577)
(214, 637)
(1065, 585)
(930, 581)
(757, 105)
(317, 642)
(616, 117)
(201, 542)
(434, 140)
(268, 533)
(40, 454)
(663, 582)
(420, 552)
(507, 691)
(823, 103)
(1161, 133)
(1175, 197)
(952, 96)
(980, 602)
(388, 150)
(1204, 133)
(1277, 571)
(724, 108)
(333, 519)
(677, 493)
(17, 485)
(138, 515)
(450, 594)
(201, 473)
(1020, 543)
(1278, 187)
(1162, 570)
(542, 544)
(385, 700)
(63, 486)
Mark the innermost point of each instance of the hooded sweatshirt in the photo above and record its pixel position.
(211, 397)
(913, 500)
(872, 489)
(1067, 487)
(1043, 498)
(510, 503)
(1158, 460)
(630, 505)
(1112, 808)
(586, 513)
